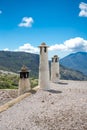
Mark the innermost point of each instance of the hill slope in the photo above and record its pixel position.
(70, 74)
(13, 61)
(76, 61)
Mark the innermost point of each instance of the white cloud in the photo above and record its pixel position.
(0, 11)
(28, 48)
(72, 45)
(83, 7)
(26, 22)
(6, 49)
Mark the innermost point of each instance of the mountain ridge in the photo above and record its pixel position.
(76, 61)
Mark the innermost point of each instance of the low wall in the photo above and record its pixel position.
(16, 100)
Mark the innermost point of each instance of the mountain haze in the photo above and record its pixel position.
(76, 61)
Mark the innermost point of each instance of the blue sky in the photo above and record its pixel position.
(61, 24)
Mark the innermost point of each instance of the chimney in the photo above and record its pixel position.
(55, 75)
(44, 67)
(24, 83)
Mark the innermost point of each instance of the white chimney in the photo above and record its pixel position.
(55, 75)
(44, 67)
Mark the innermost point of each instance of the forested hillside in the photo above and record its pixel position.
(13, 61)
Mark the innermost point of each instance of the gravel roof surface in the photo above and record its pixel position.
(63, 107)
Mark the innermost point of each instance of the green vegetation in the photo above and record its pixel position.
(10, 81)
(34, 82)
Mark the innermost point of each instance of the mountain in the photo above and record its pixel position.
(76, 61)
(13, 61)
(70, 74)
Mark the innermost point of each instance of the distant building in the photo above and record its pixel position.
(44, 67)
(55, 75)
(24, 83)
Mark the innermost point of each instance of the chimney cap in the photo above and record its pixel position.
(43, 44)
(56, 56)
(24, 69)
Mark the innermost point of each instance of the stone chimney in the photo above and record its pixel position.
(44, 67)
(55, 75)
(24, 83)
